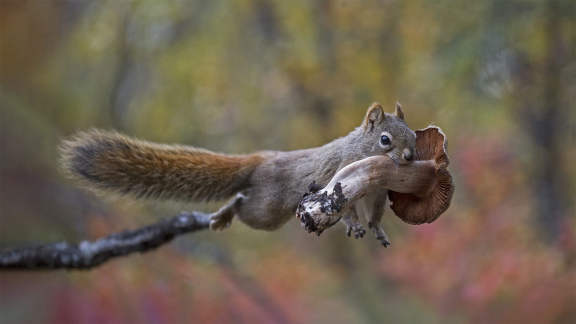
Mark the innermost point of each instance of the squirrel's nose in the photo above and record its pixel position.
(407, 155)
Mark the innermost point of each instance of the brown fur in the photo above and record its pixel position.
(110, 161)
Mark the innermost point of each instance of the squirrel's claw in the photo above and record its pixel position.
(219, 224)
(380, 234)
(384, 241)
(356, 229)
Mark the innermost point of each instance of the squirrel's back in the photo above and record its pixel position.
(111, 162)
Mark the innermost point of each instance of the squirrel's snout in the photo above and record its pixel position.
(407, 155)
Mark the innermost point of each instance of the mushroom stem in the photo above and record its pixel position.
(324, 208)
(380, 172)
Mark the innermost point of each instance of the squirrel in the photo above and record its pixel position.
(266, 186)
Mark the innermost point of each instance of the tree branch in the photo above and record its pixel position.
(87, 255)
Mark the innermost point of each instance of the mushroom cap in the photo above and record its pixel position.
(413, 209)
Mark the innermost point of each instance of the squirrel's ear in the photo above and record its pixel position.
(374, 116)
(398, 111)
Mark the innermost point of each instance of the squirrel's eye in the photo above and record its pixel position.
(385, 140)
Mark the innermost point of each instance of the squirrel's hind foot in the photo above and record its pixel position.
(223, 217)
(220, 223)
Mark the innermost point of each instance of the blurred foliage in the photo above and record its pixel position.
(236, 76)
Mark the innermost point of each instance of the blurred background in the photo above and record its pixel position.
(237, 76)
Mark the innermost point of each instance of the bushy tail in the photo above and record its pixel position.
(111, 162)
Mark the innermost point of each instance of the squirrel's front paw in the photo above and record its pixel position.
(384, 240)
(380, 234)
(356, 229)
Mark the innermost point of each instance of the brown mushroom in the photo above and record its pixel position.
(419, 191)
(419, 208)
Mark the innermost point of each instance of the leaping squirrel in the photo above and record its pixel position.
(266, 186)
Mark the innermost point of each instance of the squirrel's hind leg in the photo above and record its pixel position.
(222, 218)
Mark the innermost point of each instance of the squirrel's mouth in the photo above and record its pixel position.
(397, 158)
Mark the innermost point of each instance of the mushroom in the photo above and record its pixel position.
(419, 191)
(425, 207)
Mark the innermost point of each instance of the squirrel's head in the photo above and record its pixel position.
(388, 134)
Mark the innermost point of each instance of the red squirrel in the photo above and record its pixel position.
(265, 186)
